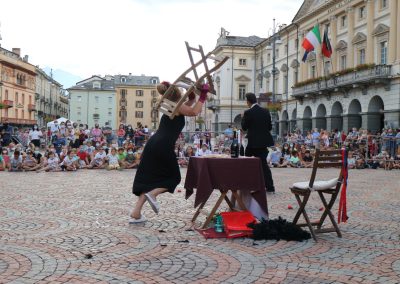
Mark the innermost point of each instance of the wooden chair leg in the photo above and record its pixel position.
(330, 206)
(329, 213)
(302, 204)
(216, 206)
(301, 207)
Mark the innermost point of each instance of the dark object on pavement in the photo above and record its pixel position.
(278, 229)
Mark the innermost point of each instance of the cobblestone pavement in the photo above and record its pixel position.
(73, 227)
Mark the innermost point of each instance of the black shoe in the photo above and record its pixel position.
(271, 190)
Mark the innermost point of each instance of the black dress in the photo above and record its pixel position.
(158, 167)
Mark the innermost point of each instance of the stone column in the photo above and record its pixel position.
(333, 43)
(299, 123)
(393, 32)
(345, 126)
(314, 122)
(364, 120)
(370, 29)
(350, 36)
(329, 123)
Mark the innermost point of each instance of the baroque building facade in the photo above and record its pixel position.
(17, 88)
(359, 86)
(137, 98)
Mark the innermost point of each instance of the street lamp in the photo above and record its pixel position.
(275, 40)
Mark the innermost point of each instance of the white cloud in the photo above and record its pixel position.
(130, 36)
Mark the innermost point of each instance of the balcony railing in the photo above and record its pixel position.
(376, 74)
(19, 121)
(8, 103)
(31, 107)
(213, 105)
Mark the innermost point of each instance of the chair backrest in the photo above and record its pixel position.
(171, 108)
(327, 159)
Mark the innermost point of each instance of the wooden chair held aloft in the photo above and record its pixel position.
(169, 107)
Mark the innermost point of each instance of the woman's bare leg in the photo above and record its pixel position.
(136, 213)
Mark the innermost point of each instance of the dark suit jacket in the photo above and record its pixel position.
(257, 122)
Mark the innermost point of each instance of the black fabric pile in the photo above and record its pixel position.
(278, 229)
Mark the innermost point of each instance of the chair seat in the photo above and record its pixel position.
(318, 184)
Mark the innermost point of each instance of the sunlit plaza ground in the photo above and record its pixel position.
(73, 227)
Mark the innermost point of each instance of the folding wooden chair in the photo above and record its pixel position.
(169, 107)
(323, 159)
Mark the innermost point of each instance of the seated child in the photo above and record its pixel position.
(294, 160)
(52, 163)
(351, 161)
(69, 162)
(15, 162)
(203, 151)
(307, 161)
(29, 163)
(112, 158)
(121, 155)
(83, 157)
(130, 161)
(98, 160)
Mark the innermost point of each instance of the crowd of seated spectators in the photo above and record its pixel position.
(71, 147)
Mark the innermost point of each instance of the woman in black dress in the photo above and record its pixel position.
(158, 171)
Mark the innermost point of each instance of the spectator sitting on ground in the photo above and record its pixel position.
(29, 163)
(15, 162)
(52, 164)
(121, 155)
(294, 160)
(286, 149)
(112, 159)
(307, 160)
(184, 161)
(274, 157)
(68, 162)
(351, 160)
(83, 157)
(203, 151)
(98, 159)
(130, 161)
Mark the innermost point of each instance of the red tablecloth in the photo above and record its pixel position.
(207, 174)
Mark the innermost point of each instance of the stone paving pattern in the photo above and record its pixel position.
(52, 223)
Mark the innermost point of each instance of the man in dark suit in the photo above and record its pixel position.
(257, 122)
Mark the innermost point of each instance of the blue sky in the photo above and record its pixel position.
(130, 36)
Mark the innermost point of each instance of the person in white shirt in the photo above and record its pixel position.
(98, 160)
(34, 136)
(112, 158)
(52, 163)
(203, 151)
(69, 162)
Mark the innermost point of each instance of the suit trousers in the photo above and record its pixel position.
(262, 153)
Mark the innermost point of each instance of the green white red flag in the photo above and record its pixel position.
(312, 40)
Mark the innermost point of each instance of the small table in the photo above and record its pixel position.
(225, 174)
